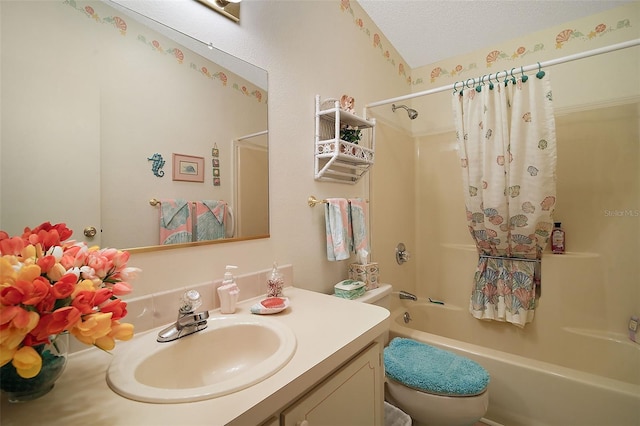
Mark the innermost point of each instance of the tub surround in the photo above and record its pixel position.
(519, 386)
(327, 337)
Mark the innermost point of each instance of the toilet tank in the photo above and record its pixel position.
(380, 296)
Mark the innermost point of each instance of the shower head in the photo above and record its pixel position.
(412, 112)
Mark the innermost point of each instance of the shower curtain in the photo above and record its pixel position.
(507, 148)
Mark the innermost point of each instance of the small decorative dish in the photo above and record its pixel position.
(270, 305)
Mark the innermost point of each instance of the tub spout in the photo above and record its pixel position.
(407, 295)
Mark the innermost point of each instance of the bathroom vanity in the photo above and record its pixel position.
(337, 365)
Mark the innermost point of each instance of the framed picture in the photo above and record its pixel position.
(215, 162)
(188, 168)
(216, 181)
(216, 172)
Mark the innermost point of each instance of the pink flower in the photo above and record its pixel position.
(120, 289)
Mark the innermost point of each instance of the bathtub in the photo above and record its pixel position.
(525, 390)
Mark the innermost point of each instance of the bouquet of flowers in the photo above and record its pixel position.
(50, 285)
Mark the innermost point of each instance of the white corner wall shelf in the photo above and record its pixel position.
(337, 160)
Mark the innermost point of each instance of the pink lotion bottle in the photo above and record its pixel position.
(557, 239)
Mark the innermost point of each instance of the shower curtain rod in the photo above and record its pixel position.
(582, 55)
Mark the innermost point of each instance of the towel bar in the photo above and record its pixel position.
(312, 201)
(154, 202)
(508, 258)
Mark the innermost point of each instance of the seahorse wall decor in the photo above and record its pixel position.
(158, 164)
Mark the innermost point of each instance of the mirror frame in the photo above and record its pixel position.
(149, 249)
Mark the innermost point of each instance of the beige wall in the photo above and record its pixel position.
(107, 104)
(252, 195)
(314, 47)
(308, 48)
(393, 208)
(582, 84)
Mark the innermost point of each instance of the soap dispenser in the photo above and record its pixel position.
(228, 291)
(275, 282)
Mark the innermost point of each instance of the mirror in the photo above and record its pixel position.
(93, 94)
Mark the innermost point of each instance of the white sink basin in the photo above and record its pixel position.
(232, 353)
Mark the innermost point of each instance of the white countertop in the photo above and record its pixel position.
(329, 331)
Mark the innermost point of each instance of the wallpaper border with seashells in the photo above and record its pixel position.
(198, 64)
(377, 40)
(583, 31)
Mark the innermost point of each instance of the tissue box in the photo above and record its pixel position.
(349, 289)
(368, 273)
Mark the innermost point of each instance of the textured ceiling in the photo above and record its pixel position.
(427, 31)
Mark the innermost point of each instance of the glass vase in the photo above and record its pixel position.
(54, 360)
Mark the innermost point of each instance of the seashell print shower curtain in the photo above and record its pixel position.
(507, 147)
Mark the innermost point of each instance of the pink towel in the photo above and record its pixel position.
(176, 225)
(210, 219)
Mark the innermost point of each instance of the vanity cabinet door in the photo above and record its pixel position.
(351, 396)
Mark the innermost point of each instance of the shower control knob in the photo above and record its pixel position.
(402, 255)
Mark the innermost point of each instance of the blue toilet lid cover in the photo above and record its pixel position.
(433, 370)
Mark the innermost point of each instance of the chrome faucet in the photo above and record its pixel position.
(407, 295)
(189, 321)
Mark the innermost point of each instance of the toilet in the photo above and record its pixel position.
(415, 382)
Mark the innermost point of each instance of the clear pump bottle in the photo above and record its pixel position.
(228, 291)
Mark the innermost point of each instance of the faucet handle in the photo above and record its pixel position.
(402, 255)
(191, 301)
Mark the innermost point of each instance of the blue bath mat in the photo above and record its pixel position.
(426, 368)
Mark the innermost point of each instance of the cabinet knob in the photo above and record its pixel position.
(90, 232)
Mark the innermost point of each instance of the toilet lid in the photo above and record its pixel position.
(429, 369)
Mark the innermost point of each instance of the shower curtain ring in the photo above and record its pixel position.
(506, 75)
(513, 79)
(490, 83)
(466, 83)
(480, 84)
(524, 76)
(454, 87)
(540, 73)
